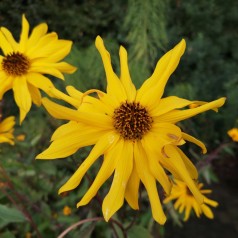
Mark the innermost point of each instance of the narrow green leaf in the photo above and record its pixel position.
(11, 214)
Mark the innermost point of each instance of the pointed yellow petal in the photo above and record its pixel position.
(24, 34)
(175, 161)
(125, 76)
(9, 38)
(104, 173)
(35, 94)
(151, 91)
(115, 197)
(155, 168)
(61, 112)
(189, 165)
(192, 139)
(149, 183)
(22, 96)
(5, 45)
(100, 148)
(176, 115)
(207, 211)
(210, 202)
(65, 67)
(37, 33)
(187, 212)
(114, 86)
(132, 190)
(7, 124)
(6, 84)
(71, 142)
(168, 104)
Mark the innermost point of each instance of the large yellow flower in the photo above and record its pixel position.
(185, 200)
(23, 63)
(135, 131)
(6, 130)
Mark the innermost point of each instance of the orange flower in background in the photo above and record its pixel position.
(185, 201)
(24, 64)
(67, 210)
(6, 130)
(233, 133)
(134, 130)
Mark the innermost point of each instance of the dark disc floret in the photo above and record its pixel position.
(15, 64)
(132, 120)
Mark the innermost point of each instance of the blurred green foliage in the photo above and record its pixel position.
(147, 29)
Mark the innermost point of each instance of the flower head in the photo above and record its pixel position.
(24, 63)
(133, 129)
(233, 133)
(185, 201)
(6, 130)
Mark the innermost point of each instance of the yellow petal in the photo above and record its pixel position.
(153, 88)
(114, 86)
(37, 33)
(40, 81)
(71, 142)
(210, 202)
(5, 45)
(105, 142)
(9, 38)
(65, 67)
(132, 190)
(61, 112)
(192, 139)
(104, 173)
(187, 212)
(24, 34)
(155, 168)
(149, 183)
(176, 115)
(22, 96)
(175, 161)
(7, 124)
(168, 104)
(189, 165)
(6, 84)
(125, 76)
(207, 211)
(35, 94)
(115, 197)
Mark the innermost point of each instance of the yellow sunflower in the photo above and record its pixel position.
(24, 63)
(185, 200)
(133, 129)
(6, 130)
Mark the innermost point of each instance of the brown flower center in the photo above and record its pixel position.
(15, 64)
(132, 121)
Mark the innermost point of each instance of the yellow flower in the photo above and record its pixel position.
(135, 131)
(6, 130)
(24, 63)
(233, 133)
(185, 200)
(67, 210)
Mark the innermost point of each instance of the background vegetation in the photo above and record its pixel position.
(207, 71)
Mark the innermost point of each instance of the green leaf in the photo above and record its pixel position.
(10, 215)
(139, 232)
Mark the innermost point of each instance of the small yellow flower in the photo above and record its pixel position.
(24, 63)
(67, 210)
(6, 130)
(185, 200)
(135, 130)
(233, 133)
